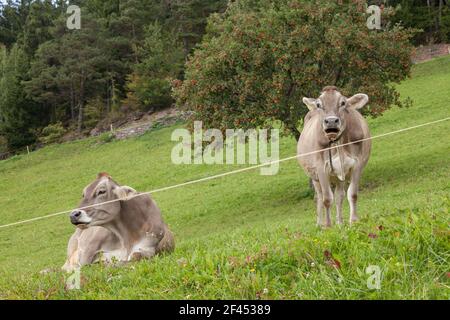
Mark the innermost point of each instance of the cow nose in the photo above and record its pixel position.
(331, 122)
(75, 215)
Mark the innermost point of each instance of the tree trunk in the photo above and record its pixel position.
(293, 129)
(80, 118)
(108, 98)
(53, 114)
(81, 104)
(185, 40)
(72, 102)
(436, 18)
(428, 34)
(133, 32)
(441, 5)
(185, 48)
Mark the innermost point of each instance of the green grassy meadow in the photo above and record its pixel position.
(247, 236)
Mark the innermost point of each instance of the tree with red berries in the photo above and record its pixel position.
(260, 58)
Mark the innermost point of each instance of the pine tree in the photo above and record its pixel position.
(17, 112)
(189, 18)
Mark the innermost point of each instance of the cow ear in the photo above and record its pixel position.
(103, 174)
(357, 101)
(124, 192)
(311, 103)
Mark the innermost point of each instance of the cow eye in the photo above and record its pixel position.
(318, 105)
(343, 104)
(101, 192)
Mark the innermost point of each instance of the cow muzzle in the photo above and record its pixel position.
(332, 127)
(80, 218)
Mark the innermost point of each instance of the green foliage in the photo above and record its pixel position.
(12, 20)
(52, 133)
(258, 60)
(17, 113)
(127, 52)
(150, 92)
(244, 233)
(189, 19)
(3, 145)
(93, 113)
(68, 69)
(106, 137)
(432, 17)
(161, 61)
(37, 28)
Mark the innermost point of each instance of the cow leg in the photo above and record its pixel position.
(72, 252)
(79, 258)
(146, 249)
(319, 202)
(339, 194)
(352, 194)
(87, 256)
(90, 245)
(327, 196)
(167, 243)
(147, 253)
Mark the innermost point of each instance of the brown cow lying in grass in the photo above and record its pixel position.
(334, 120)
(125, 230)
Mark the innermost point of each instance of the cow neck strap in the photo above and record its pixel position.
(329, 155)
(329, 150)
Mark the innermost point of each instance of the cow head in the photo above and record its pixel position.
(103, 190)
(331, 107)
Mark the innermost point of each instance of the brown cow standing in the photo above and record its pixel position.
(333, 120)
(128, 229)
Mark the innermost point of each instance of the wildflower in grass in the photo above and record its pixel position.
(233, 261)
(331, 261)
(182, 262)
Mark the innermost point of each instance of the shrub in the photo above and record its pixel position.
(105, 137)
(93, 112)
(3, 144)
(145, 93)
(52, 133)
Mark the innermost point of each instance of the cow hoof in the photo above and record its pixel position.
(354, 219)
(68, 269)
(135, 256)
(47, 271)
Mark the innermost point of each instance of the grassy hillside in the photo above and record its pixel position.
(247, 236)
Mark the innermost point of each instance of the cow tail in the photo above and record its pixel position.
(167, 243)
